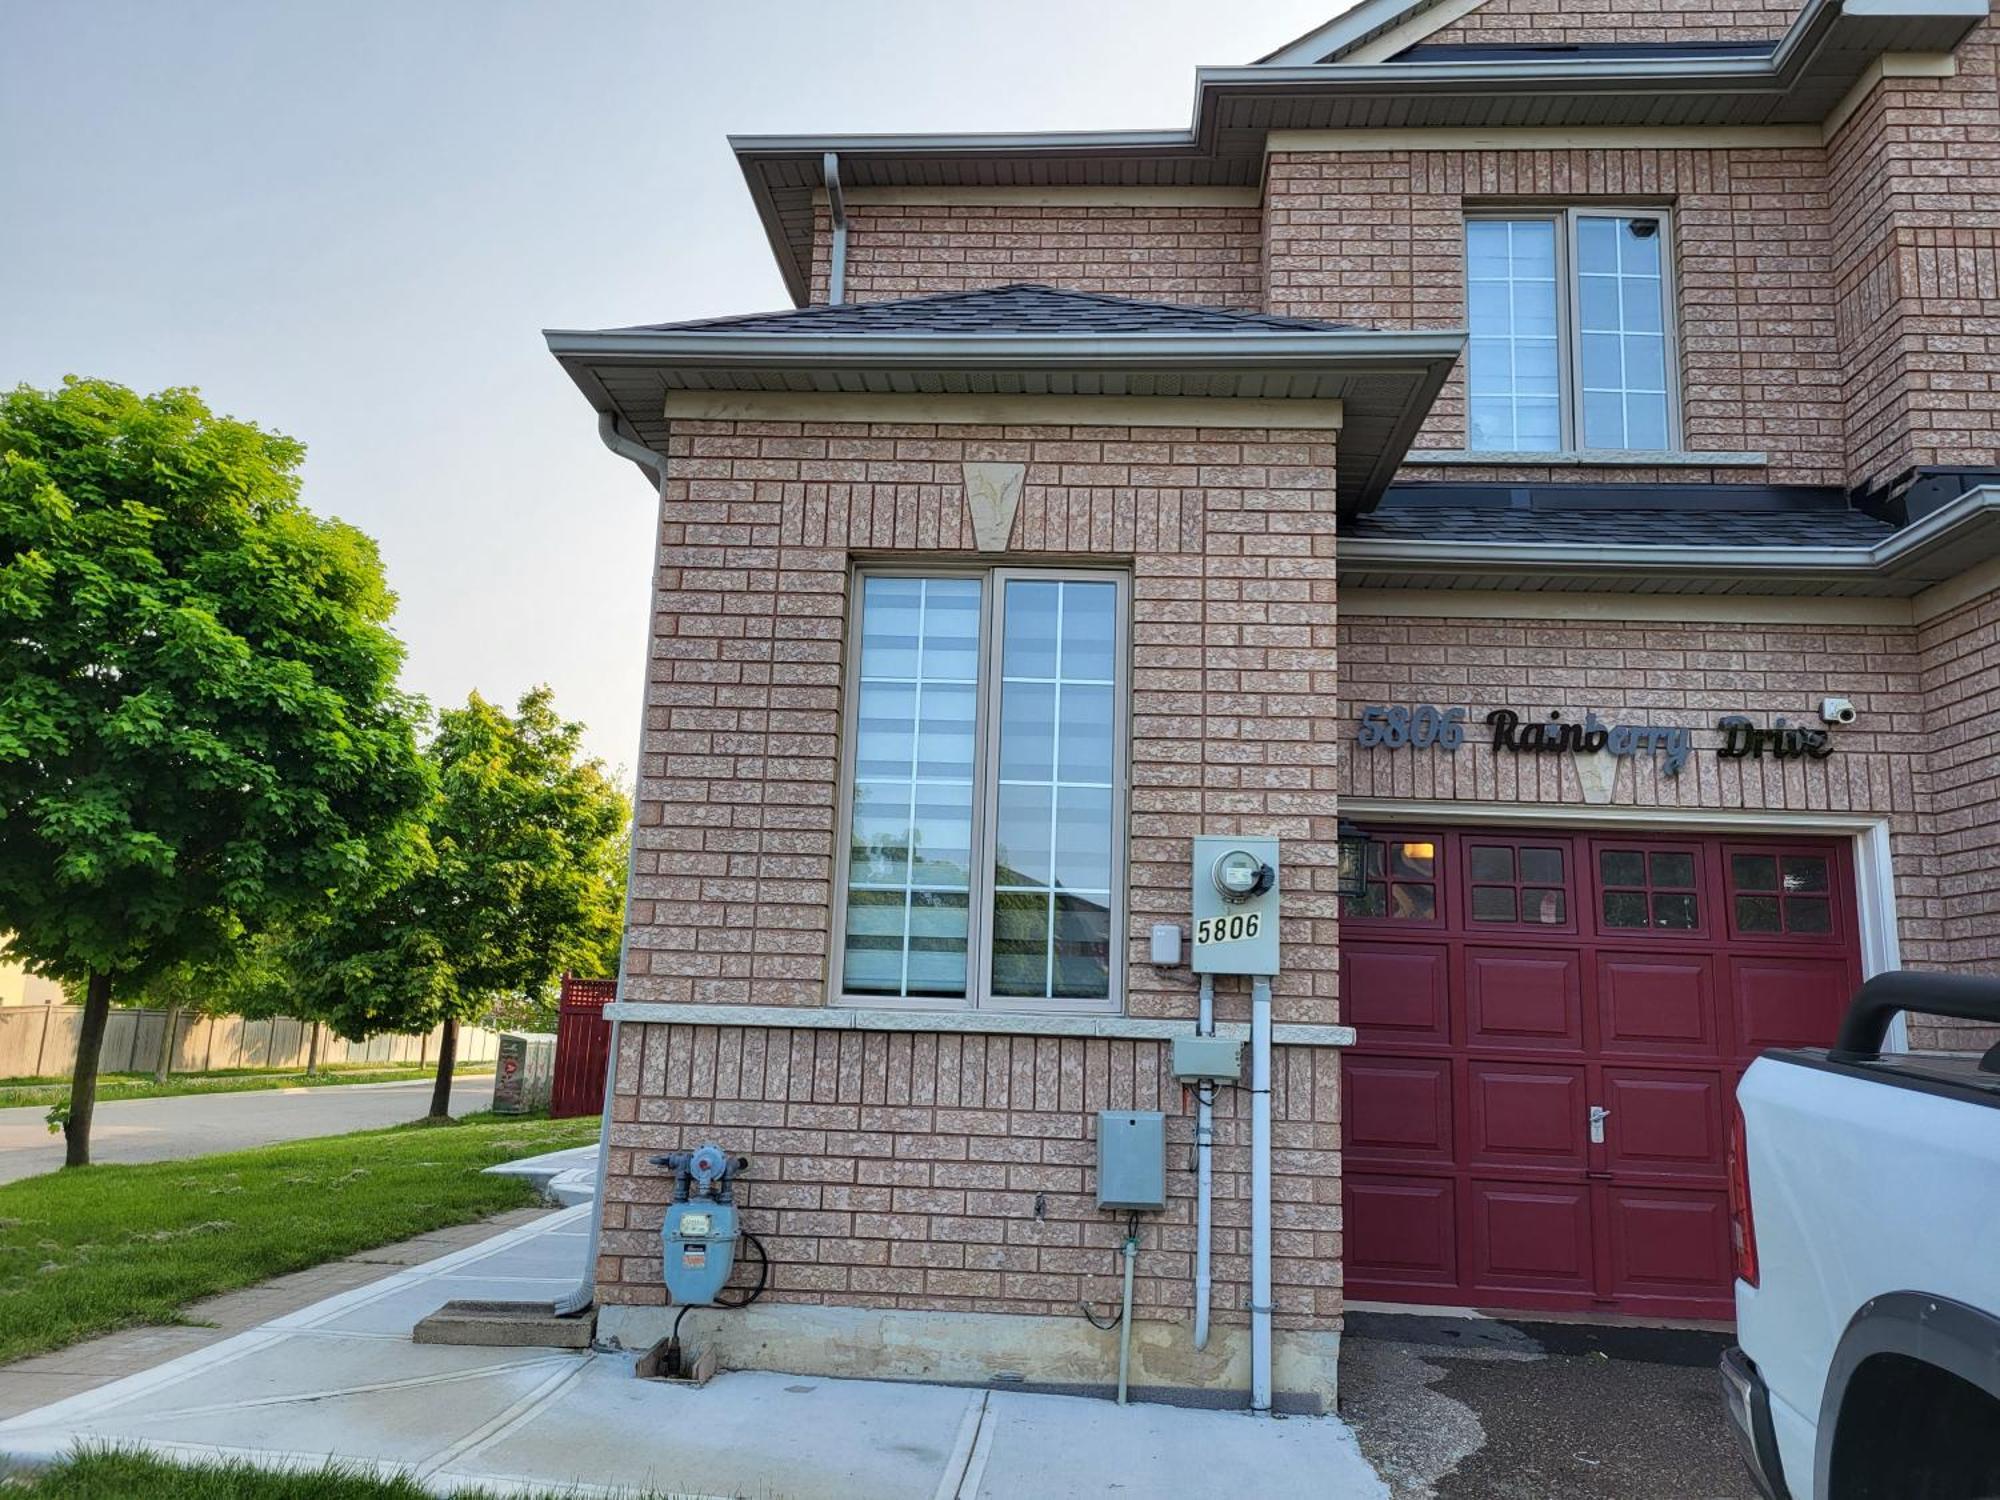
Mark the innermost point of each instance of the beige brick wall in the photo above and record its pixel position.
(1583, 21)
(1917, 268)
(1377, 237)
(1961, 686)
(1202, 253)
(874, 1149)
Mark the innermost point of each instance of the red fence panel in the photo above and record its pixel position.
(583, 1046)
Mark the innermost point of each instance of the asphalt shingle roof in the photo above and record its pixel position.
(1722, 527)
(1023, 307)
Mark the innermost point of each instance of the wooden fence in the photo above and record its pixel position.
(39, 1041)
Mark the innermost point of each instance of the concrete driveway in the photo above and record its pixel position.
(342, 1378)
(129, 1130)
(1453, 1408)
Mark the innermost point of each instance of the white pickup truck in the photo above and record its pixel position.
(1865, 1191)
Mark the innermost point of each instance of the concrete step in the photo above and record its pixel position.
(513, 1325)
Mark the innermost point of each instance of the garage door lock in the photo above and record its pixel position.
(1598, 1115)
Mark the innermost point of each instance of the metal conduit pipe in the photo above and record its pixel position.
(1204, 1172)
(583, 1295)
(1260, 1194)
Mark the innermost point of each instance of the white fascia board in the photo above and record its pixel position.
(1898, 554)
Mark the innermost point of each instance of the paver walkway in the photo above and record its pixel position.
(342, 1378)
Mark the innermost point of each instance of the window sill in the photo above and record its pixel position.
(1585, 458)
(965, 1022)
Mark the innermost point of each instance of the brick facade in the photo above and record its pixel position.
(1377, 237)
(905, 1171)
(1584, 21)
(1204, 252)
(1960, 681)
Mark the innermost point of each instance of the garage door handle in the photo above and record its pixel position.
(1598, 1115)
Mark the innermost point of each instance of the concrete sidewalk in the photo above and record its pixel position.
(342, 1379)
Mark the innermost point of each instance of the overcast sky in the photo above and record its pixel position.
(350, 220)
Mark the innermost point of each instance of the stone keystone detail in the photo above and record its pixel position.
(993, 494)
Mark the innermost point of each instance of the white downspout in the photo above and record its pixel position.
(583, 1295)
(836, 271)
(1204, 1172)
(1260, 1194)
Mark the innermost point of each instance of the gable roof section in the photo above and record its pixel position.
(1357, 26)
(1016, 308)
(1798, 81)
(1029, 340)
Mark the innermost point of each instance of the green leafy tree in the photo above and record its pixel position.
(516, 874)
(200, 731)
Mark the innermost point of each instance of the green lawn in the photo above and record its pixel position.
(111, 1475)
(84, 1252)
(22, 1091)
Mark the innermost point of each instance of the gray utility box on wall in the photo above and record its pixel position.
(1131, 1159)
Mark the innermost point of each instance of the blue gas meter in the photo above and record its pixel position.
(699, 1233)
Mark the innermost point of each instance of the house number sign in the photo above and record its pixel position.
(1425, 726)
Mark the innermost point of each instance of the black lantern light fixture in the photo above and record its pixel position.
(1353, 861)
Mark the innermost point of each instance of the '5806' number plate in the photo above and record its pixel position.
(1233, 928)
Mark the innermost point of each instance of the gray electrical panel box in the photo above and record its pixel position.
(1131, 1159)
(1207, 1059)
(1236, 888)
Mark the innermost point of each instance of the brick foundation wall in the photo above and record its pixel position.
(907, 1167)
(1202, 253)
(1584, 21)
(954, 1173)
(1377, 237)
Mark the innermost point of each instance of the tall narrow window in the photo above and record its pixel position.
(985, 838)
(1570, 332)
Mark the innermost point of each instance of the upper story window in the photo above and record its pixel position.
(1570, 321)
(985, 825)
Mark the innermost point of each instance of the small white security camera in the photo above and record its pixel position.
(1837, 711)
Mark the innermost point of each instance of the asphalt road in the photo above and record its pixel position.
(1457, 1410)
(129, 1130)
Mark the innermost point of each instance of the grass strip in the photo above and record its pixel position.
(120, 1474)
(88, 1251)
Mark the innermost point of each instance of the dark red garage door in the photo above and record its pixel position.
(1506, 989)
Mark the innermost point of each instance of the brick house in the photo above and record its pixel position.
(1506, 431)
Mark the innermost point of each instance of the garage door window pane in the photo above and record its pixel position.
(1624, 908)
(1494, 903)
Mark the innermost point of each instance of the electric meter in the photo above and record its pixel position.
(1239, 875)
(1235, 904)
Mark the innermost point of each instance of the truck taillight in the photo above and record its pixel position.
(1742, 1226)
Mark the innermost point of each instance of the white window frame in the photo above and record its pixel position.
(986, 736)
(1569, 339)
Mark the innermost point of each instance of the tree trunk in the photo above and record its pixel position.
(312, 1051)
(164, 1068)
(447, 1056)
(83, 1081)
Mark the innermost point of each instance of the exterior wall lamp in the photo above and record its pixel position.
(1352, 861)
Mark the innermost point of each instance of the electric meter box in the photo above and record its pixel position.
(1131, 1159)
(1236, 890)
